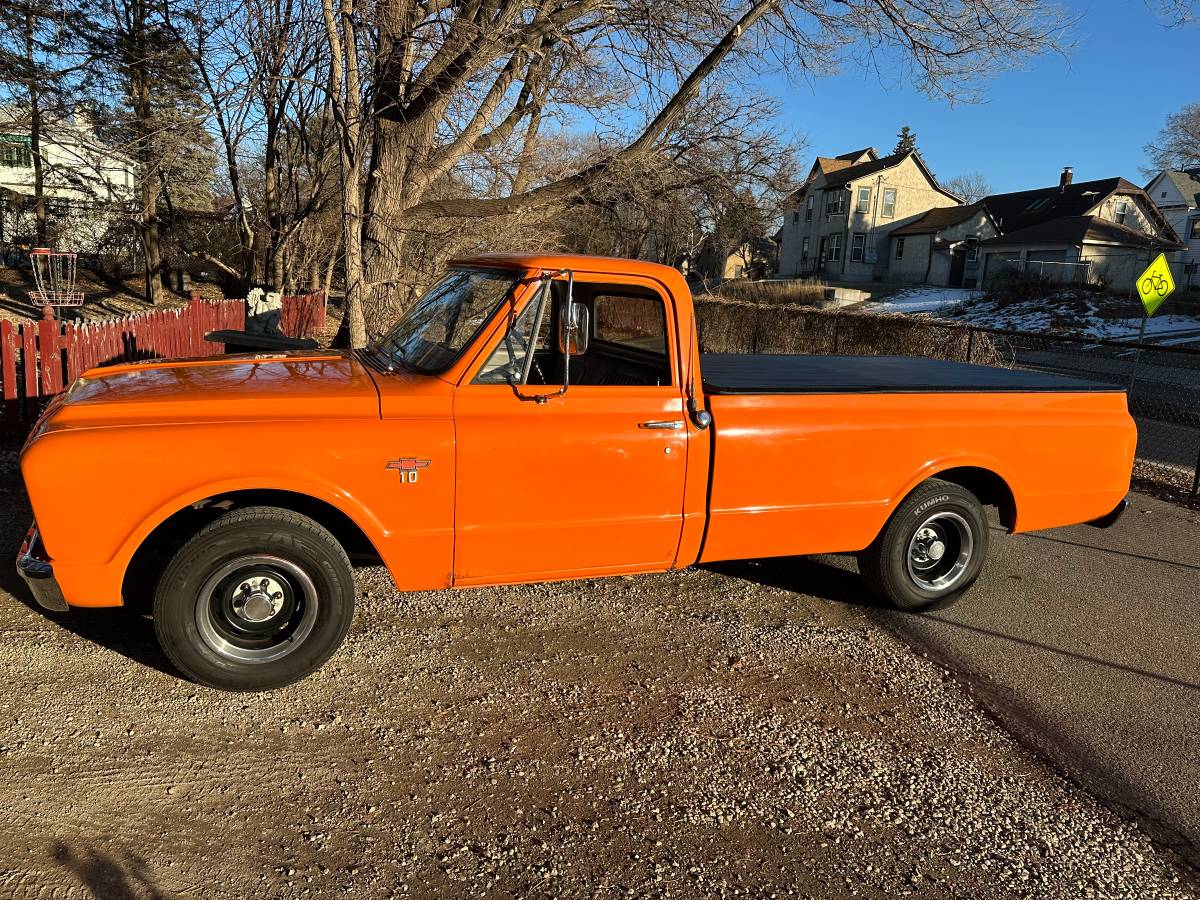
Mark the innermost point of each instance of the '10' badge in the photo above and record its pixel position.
(408, 467)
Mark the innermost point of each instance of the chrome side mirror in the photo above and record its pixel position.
(574, 329)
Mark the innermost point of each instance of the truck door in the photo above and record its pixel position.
(587, 483)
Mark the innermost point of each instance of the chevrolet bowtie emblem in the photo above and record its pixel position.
(408, 467)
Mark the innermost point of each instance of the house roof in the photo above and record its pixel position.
(865, 169)
(1022, 209)
(938, 218)
(826, 165)
(1188, 183)
(860, 170)
(854, 155)
(1079, 230)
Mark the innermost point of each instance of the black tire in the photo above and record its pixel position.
(222, 633)
(916, 573)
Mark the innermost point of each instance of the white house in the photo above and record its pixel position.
(85, 182)
(1177, 194)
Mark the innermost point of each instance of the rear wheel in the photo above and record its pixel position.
(257, 599)
(931, 550)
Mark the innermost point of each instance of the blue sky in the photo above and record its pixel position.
(1094, 109)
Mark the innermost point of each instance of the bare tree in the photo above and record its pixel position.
(971, 186)
(1177, 145)
(261, 70)
(451, 81)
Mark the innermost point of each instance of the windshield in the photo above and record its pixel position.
(438, 327)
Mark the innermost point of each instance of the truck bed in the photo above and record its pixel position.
(752, 373)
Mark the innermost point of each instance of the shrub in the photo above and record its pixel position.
(1011, 287)
(802, 292)
(739, 327)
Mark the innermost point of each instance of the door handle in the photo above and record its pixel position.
(666, 425)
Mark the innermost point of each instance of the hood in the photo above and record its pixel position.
(299, 385)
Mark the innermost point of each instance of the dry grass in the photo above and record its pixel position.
(803, 292)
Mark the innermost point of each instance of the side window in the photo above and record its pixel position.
(637, 322)
(889, 203)
(508, 359)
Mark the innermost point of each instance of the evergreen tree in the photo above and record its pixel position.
(157, 118)
(39, 43)
(907, 142)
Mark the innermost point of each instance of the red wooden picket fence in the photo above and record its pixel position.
(41, 359)
(303, 315)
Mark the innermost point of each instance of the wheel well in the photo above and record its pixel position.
(141, 575)
(989, 487)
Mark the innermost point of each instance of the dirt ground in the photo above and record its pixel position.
(699, 733)
(105, 298)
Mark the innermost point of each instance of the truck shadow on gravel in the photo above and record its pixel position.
(827, 578)
(106, 877)
(122, 631)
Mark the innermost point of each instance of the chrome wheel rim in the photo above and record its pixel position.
(256, 609)
(939, 552)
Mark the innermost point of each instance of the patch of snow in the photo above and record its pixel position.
(1070, 312)
(923, 299)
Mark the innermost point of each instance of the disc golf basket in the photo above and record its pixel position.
(55, 274)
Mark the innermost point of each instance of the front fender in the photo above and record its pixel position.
(98, 493)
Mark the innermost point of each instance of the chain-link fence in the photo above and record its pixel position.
(1163, 383)
(1077, 273)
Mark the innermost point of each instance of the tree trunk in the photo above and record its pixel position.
(140, 94)
(346, 92)
(35, 134)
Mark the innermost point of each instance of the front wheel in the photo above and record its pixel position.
(931, 550)
(257, 599)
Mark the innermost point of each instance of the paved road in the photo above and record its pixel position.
(1085, 643)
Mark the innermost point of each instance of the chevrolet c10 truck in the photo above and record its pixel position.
(533, 418)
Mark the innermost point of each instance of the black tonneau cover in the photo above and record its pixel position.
(746, 373)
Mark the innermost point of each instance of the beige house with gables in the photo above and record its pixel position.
(838, 225)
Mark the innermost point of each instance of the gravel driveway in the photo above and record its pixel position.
(693, 733)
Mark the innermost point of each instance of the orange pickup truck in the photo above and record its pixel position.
(533, 418)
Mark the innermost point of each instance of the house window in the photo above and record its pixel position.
(1195, 236)
(835, 202)
(833, 248)
(899, 248)
(808, 210)
(864, 200)
(796, 218)
(972, 253)
(858, 245)
(889, 203)
(804, 249)
(14, 152)
(1120, 211)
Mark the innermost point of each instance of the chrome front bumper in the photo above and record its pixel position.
(33, 566)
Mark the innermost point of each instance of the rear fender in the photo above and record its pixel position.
(961, 461)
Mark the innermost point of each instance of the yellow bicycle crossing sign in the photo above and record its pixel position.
(1155, 284)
